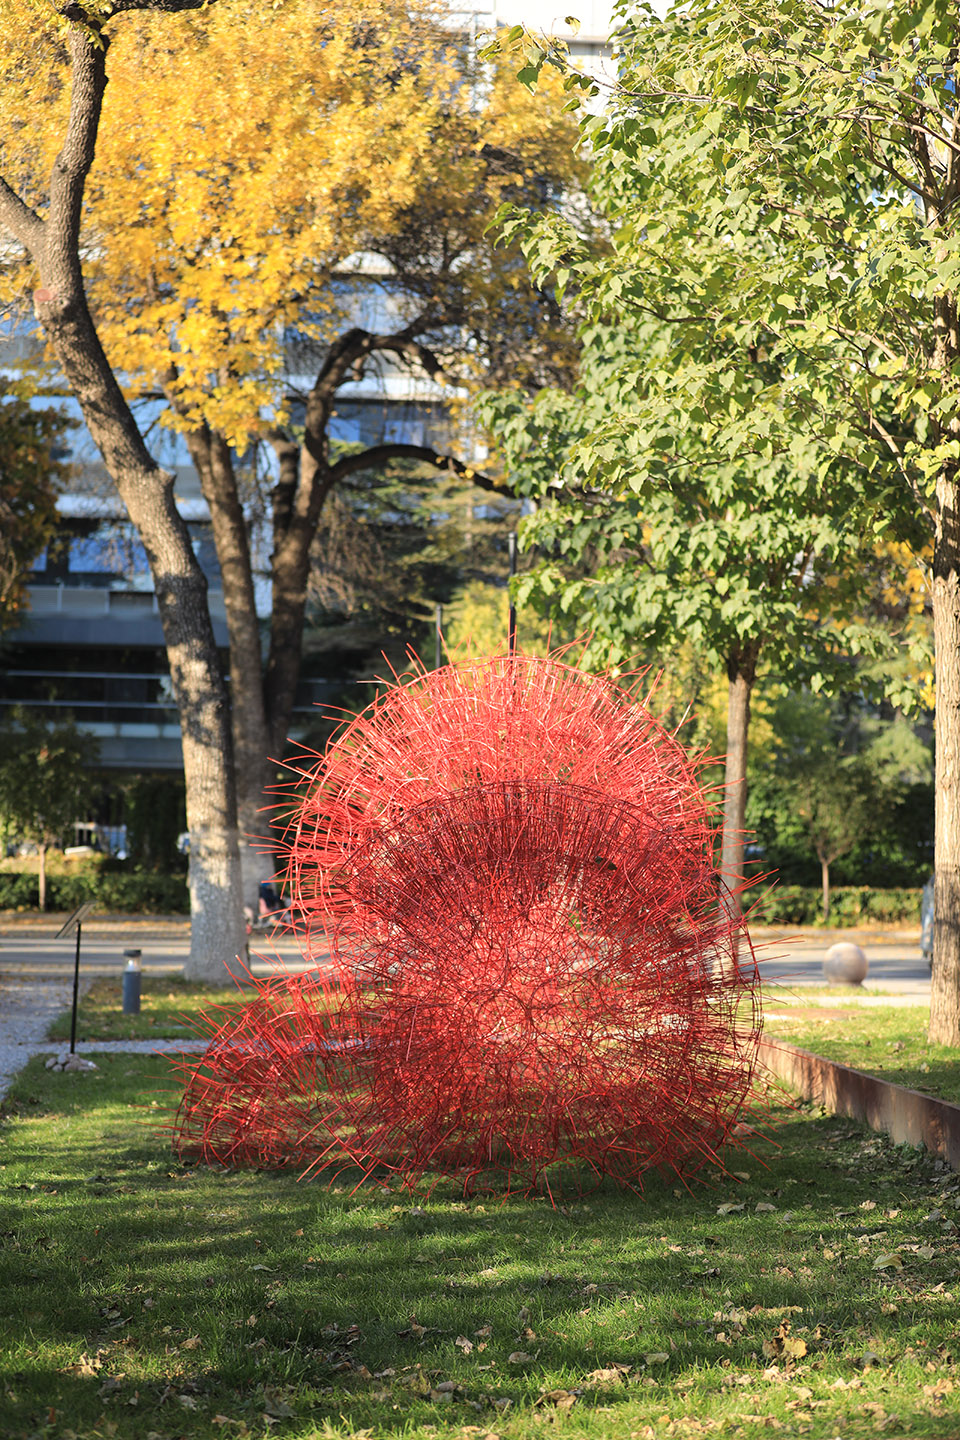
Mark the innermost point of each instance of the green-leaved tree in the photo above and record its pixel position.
(44, 781)
(819, 146)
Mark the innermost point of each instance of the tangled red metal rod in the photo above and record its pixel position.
(534, 966)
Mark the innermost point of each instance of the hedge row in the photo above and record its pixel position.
(849, 905)
(144, 892)
(148, 892)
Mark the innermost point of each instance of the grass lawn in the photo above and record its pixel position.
(887, 1041)
(140, 1298)
(166, 1004)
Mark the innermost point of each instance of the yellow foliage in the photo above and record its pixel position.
(477, 625)
(246, 151)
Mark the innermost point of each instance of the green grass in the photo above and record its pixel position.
(166, 1004)
(139, 1297)
(889, 1042)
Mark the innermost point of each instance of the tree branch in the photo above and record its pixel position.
(22, 222)
(169, 7)
(377, 454)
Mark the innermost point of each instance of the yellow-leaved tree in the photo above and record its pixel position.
(250, 159)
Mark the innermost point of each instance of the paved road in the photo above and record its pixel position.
(37, 956)
(896, 963)
(790, 959)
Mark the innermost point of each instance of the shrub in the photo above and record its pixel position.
(849, 905)
(145, 892)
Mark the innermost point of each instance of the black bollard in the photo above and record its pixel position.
(131, 983)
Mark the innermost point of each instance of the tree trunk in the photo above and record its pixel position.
(825, 885)
(741, 673)
(211, 455)
(305, 482)
(944, 1026)
(217, 929)
(42, 877)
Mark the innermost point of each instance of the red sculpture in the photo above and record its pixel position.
(533, 965)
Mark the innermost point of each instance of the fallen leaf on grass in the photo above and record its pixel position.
(729, 1208)
(891, 1260)
(762, 1208)
(783, 1345)
(561, 1399)
(462, 1343)
(86, 1366)
(612, 1374)
(193, 1343)
(276, 1406)
(519, 1357)
(936, 1392)
(657, 1357)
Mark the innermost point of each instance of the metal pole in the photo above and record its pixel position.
(438, 657)
(512, 614)
(76, 993)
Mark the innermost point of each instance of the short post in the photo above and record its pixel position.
(131, 983)
(75, 922)
(512, 613)
(439, 638)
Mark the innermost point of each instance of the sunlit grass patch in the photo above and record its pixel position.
(890, 1042)
(812, 1294)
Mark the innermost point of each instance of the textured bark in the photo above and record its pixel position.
(741, 673)
(944, 1026)
(217, 932)
(212, 457)
(825, 887)
(945, 984)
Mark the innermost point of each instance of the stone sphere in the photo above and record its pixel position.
(845, 964)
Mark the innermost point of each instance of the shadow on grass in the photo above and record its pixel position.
(194, 1293)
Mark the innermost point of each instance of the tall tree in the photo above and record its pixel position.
(324, 216)
(45, 781)
(831, 136)
(739, 557)
(52, 243)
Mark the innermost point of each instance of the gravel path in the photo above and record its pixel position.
(28, 1009)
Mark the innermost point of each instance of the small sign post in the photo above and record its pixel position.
(512, 612)
(75, 922)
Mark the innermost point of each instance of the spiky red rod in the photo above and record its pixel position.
(535, 965)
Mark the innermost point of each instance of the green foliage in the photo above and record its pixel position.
(44, 775)
(724, 554)
(132, 891)
(835, 781)
(806, 259)
(850, 905)
(155, 814)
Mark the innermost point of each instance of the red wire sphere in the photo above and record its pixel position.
(534, 966)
